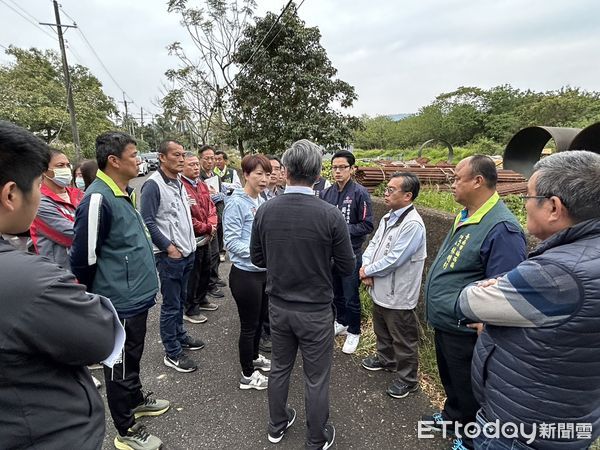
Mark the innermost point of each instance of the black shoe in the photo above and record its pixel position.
(220, 283)
(329, 436)
(208, 306)
(181, 364)
(373, 363)
(437, 422)
(216, 292)
(398, 389)
(275, 438)
(192, 344)
(265, 344)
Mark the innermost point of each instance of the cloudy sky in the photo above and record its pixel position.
(398, 55)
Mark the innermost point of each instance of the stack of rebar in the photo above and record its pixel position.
(438, 176)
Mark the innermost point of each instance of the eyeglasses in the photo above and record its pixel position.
(339, 168)
(390, 190)
(527, 197)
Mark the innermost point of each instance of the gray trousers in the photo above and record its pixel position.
(312, 332)
(397, 332)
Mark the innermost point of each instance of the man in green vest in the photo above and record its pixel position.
(486, 240)
(112, 255)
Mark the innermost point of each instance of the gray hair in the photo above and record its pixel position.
(190, 155)
(573, 176)
(410, 183)
(302, 162)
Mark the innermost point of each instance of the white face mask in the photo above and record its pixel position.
(62, 176)
(80, 183)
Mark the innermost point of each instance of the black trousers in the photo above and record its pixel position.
(397, 332)
(214, 263)
(454, 353)
(123, 385)
(199, 278)
(248, 289)
(312, 333)
(220, 208)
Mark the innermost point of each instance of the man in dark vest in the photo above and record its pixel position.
(112, 255)
(229, 176)
(486, 240)
(538, 360)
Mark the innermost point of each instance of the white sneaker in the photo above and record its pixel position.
(339, 329)
(351, 343)
(262, 363)
(255, 381)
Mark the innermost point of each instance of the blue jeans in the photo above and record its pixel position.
(482, 442)
(346, 298)
(174, 275)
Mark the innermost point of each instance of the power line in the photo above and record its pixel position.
(35, 24)
(93, 50)
(265, 36)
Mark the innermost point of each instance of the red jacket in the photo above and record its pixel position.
(204, 213)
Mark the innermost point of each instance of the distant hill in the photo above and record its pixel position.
(397, 117)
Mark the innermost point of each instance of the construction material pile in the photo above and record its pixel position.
(436, 176)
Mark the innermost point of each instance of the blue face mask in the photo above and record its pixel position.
(80, 183)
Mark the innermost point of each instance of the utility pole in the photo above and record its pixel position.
(142, 122)
(70, 103)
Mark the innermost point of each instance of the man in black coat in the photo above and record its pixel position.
(50, 328)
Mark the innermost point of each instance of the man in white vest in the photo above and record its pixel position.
(392, 269)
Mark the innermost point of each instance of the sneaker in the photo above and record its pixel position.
(436, 422)
(265, 345)
(262, 363)
(216, 292)
(181, 364)
(208, 306)
(192, 344)
(329, 436)
(339, 329)
(255, 381)
(97, 382)
(195, 318)
(351, 343)
(373, 363)
(275, 438)
(401, 390)
(220, 283)
(151, 406)
(137, 438)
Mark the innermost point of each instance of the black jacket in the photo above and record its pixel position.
(50, 329)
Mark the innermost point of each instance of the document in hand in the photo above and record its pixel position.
(213, 182)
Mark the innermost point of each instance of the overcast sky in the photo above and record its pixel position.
(398, 55)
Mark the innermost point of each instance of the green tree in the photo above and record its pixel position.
(32, 94)
(287, 88)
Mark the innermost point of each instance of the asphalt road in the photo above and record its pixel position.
(209, 411)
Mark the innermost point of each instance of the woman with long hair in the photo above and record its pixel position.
(248, 282)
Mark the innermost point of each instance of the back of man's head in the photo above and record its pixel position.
(573, 177)
(111, 143)
(23, 159)
(23, 156)
(302, 162)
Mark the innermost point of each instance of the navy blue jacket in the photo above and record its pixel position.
(549, 374)
(354, 202)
